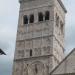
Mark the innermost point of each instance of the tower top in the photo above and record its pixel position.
(59, 1)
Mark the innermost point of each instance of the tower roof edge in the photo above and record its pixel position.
(62, 5)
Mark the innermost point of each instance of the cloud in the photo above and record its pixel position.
(70, 25)
(5, 65)
(9, 11)
(8, 22)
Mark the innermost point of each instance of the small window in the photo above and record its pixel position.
(61, 26)
(57, 20)
(31, 18)
(47, 15)
(25, 19)
(30, 52)
(40, 17)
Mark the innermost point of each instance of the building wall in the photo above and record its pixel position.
(67, 66)
(38, 37)
(58, 32)
(27, 66)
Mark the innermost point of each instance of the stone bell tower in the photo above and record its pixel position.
(40, 37)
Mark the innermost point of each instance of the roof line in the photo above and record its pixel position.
(67, 74)
(62, 5)
(62, 61)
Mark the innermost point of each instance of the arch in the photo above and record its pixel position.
(31, 20)
(37, 62)
(47, 14)
(25, 69)
(36, 68)
(25, 19)
(40, 16)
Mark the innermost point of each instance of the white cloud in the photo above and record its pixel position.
(9, 10)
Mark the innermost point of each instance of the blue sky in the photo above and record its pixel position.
(9, 11)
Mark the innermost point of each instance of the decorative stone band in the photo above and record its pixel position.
(33, 58)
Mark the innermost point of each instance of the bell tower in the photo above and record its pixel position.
(40, 37)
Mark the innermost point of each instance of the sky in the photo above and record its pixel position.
(9, 13)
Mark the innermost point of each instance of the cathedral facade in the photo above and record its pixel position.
(40, 37)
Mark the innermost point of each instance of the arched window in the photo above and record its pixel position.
(30, 52)
(25, 19)
(31, 20)
(40, 16)
(47, 15)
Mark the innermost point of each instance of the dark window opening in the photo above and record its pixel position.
(30, 52)
(36, 70)
(31, 18)
(40, 17)
(25, 19)
(57, 20)
(61, 26)
(27, 64)
(47, 15)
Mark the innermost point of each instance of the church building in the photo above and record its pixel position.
(66, 66)
(40, 39)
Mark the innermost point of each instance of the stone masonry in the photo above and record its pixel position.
(40, 38)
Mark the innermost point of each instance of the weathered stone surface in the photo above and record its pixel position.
(67, 66)
(39, 47)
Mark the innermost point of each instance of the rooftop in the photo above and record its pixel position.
(62, 5)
